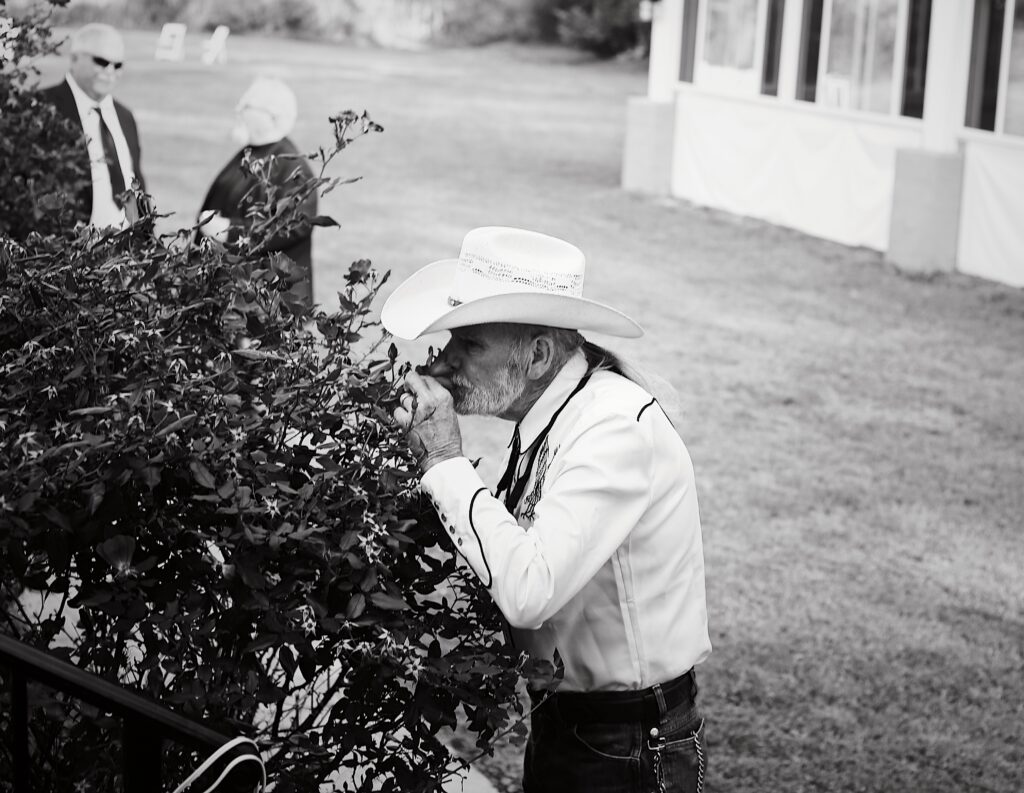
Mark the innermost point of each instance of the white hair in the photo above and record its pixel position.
(86, 37)
(274, 97)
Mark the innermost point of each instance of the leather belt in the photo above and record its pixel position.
(625, 706)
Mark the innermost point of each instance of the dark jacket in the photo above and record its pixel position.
(60, 97)
(235, 189)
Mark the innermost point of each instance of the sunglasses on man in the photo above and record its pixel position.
(103, 63)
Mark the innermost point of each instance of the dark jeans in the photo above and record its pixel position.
(568, 754)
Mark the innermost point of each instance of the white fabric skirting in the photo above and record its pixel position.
(824, 173)
(991, 241)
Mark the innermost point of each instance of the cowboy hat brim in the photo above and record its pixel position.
(419, 305)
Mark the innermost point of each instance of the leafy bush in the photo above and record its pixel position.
(203, 497)
(603, 27)
(156, 12)
(265, 16)
(476, 22)
(291, 17)
(38, 181)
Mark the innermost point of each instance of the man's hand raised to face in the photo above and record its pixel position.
(427, 414)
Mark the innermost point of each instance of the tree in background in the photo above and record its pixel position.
(604, 28)
(203, 498)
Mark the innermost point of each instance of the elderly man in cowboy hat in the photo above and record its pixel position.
(591, 544)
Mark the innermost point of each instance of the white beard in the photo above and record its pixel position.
(490, 400)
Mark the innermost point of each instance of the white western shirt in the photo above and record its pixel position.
(105, 211)
(602, 560)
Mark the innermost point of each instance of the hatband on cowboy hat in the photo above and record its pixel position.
(502, 275)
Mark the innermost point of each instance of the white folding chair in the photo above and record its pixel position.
(215, 49)
(171, 44)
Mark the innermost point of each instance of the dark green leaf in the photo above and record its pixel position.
(356, 606)
(385, 601)
(202, 475)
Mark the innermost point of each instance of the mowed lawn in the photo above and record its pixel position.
(858, 435)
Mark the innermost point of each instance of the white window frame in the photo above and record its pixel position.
(728, 79)
(899, 58)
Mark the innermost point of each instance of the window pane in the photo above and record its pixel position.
(861, 52)
(772, 48)
(986, 44)
(810, 47)
(731, 28)
(689, 49)
(1015, 85)
(917, 58)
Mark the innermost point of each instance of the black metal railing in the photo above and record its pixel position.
(145, 725)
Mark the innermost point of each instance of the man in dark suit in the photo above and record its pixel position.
(110, 139)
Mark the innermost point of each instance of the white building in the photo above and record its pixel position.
(893, 124)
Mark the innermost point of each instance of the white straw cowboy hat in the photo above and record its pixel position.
(502, 275)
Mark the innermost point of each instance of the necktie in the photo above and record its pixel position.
(505, 483)
(514, 485)
(113, 162)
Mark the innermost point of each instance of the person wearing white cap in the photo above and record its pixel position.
(591, 543)
(265, 116)
(110, 135)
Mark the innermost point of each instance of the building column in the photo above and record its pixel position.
(650, 119)
(949, 61)
(925, 220)
(789, 62)
(666, 48)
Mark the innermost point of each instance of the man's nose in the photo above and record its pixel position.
(443, 365)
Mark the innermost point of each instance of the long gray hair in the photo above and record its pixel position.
(599, 359)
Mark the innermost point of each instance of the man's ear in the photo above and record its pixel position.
(542, 357)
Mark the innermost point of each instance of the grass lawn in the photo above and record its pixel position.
(858, 435)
